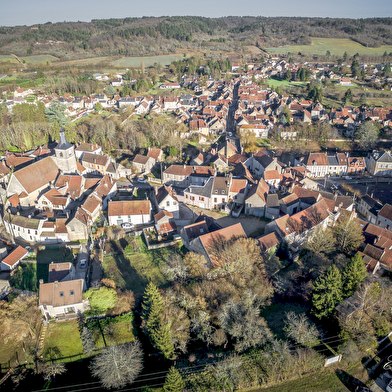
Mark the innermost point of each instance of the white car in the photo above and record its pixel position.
(128, 226)
(389, 386)
(142, 180)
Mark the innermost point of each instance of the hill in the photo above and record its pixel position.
(149, 36)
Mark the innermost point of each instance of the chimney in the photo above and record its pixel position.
(41, 281)
(56, 284)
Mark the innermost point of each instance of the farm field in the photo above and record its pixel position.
(7, 58)
(40, 58)
(148, 61)
(337, 46)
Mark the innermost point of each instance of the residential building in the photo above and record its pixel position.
(62, 299)
(137, 212)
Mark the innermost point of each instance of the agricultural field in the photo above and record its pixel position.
(40, 58)
(336, 46)
(148, 61)
(7, 58)
(87, 61)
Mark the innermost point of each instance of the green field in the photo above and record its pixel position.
(148, 61)
(40, 58)
(7, 58)
(337, 46)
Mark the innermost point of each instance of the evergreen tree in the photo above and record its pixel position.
(288, 75)
(327, 292)
(174, 381)
(87, 341)
(154, 326)
(353, 274)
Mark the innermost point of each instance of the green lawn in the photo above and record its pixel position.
(55, 254)
(280, 82)
(63, 341)
(64, 338)
(336, 46)
(132, 270)
(25, 277)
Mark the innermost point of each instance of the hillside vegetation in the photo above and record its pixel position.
(166, 35)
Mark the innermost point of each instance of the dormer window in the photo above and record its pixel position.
(216, 190)
(223, 192)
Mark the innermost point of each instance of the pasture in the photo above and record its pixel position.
(148, 61)
(39, 58)
(336, 46)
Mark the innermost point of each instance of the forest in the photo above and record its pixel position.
(163, 35)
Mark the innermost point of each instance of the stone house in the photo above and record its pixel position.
(137, 212)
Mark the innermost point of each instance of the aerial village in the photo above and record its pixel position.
(69, 195)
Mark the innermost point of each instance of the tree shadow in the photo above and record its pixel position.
(350, 382)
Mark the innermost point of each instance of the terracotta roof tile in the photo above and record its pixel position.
(15, 256)
(129, 207)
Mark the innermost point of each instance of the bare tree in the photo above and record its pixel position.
(300, 330)
(118, 365)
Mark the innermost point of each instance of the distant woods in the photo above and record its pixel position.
(148, 35)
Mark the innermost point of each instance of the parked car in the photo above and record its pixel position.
(128, 226)
(142, 180)
(347, 178)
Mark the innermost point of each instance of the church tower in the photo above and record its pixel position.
(65, 155)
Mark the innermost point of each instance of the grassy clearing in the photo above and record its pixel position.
(148, 61)
(55, 254)
(91, 60)
(63, 341)
(132, 269)
(336, 46)
(7, 58)
(280, 82)
(40, 58)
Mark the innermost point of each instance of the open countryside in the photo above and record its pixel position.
(336, 46)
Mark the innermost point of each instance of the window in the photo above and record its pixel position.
(215, 200)
(168, 204)
(174, 203)
(28, 231)
(61, 154)
(216, 190)
(36, 232)
(223, 192)
(72, 292)
(61, 294)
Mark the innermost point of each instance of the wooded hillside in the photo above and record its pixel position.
(149, 35)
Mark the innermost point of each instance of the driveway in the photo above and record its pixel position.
(253, 227)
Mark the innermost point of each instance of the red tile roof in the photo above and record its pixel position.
(225, 234)
(268, 241)
(129, 207)
(15, 256)
(45, 171)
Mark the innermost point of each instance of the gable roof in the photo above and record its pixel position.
(37, 175)
(386, 212)
(303, 220)
(225, 234)
(196, 230)
(15, 256)
(268, 241)
(129, 207)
